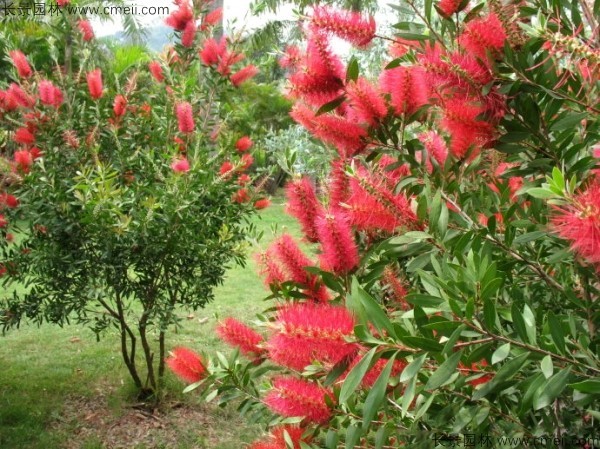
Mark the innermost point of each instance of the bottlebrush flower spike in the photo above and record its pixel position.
(243, 75)
(71, 139)
(435, 146)
(347, 137)
(579, 223)
(119, 105)
(339, 252)
(308, 332)
(450, 7)
(291, 57)
(24, 136)
(263, 203)
(407, 88)
(86, 30)
(270, 269)
(189, 34)
(212, 19)
(292, 259)
(7, 200)
(212, 51)
(21, 64)
(180, 18)
(238, 335)
(483, 35)
(241, 196)
(366, 101)
(226, 169)
(3, 222)
(295, 397)
(396, 291)
(14, 93)
(185, 117)
(23, 159)
(279, 437)
(94, 81)
(50, 94)
(156, 71)
(339, 184)
(243, 144)
(186, 364)
(180, 165)
(304, 205)
(348, 25)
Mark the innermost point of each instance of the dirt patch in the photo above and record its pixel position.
(94, 423)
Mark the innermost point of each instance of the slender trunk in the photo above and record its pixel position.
(161, 363)
(148, 355)
(128, 355)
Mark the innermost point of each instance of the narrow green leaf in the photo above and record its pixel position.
(551, 389)
(519, 322)
(587, 386)
(538, 192)
(353, 434)
(408, 395)
(370, 309)
(556, 332)
(377, 393)
(501, 353)
(355, 376)
(328, 107)
(353, 70)
(413, 368)
(547, 367)
(443, 373)
(508, 370)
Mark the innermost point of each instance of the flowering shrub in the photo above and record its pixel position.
(456, 285)
(127, 201)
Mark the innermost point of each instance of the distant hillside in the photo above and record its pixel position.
(157, 37)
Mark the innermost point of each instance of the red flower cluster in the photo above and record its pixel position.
(186, 364)
(295, 397)
(86, 30)
(94, 81)
(21, 64)
(50, 94)
(348, 25)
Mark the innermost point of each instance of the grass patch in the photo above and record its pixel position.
(60, 388)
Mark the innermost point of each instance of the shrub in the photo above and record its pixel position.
(126, 201)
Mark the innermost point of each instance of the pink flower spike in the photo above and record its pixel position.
(185, 117)
(237, 334)
(86, 30)
(339, 250)
(180, 165)
(212, 18)
(94, 81)
(304, 205)
(189, 34)
(244, 75)
(186, 364)
(292, 397)
(156, 71)
(119, 105)
(21, 64)
(243, 144)
(348, 25)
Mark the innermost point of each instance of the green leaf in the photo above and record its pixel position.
(547, 367)
(568, 121)
(508, 370)
(444, 372)
(556, 332)
(353, 70)
(420, 300)
(355, 376)
(519, 322)
(538, 192)
(353, 434)
(530, 236)
(425, 344)
(413, 368)
(587, 386)
(328, 107)
(408, 395)
(550, 390)
(501, 353)
(489, 313)
(368, 309)
(377, 393)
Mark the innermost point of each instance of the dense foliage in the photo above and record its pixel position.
(123, 197)
(454, 298)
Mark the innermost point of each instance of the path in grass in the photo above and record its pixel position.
(60, 388)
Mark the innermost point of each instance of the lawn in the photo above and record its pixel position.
(60, 388)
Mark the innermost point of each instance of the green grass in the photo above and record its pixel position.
(45, 370)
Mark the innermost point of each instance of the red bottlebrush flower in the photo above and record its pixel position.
(449, 7)
(435, 146)
(338, 131)
(407, 88)
(244, 75)
(339, 184)
(156, 71)
(186, 364)
(483, 35)
(14, 94)
(579, 223)
(185, 117)
(145, 109)
(86, 30)
(269, 269)
(279, 438)
(3, 270)
(291, 57)
(23, 159)
(189, 34)
(7, 200)
(243, 144)
(180, 165)
(374, 206)
(9, 237)
(71, 139)
(3, 222)
(461, 120)
(247, 161)
(119, 105)
(366, 101)
(293, 260)
(62, 2)
(339, 252)
(241, 196)
(35, 152)
(296, 397)
(24, 136)
(263, 203)
(94, 81)
(348, 25)
(21, 64)
(180, 18)
(304, 205)
(226, 169)
(396, 291)
(308, 332)
(392, 171)
(212, 51)
(212, 18)
(50, 94)
(244, 180)
(239, 335)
